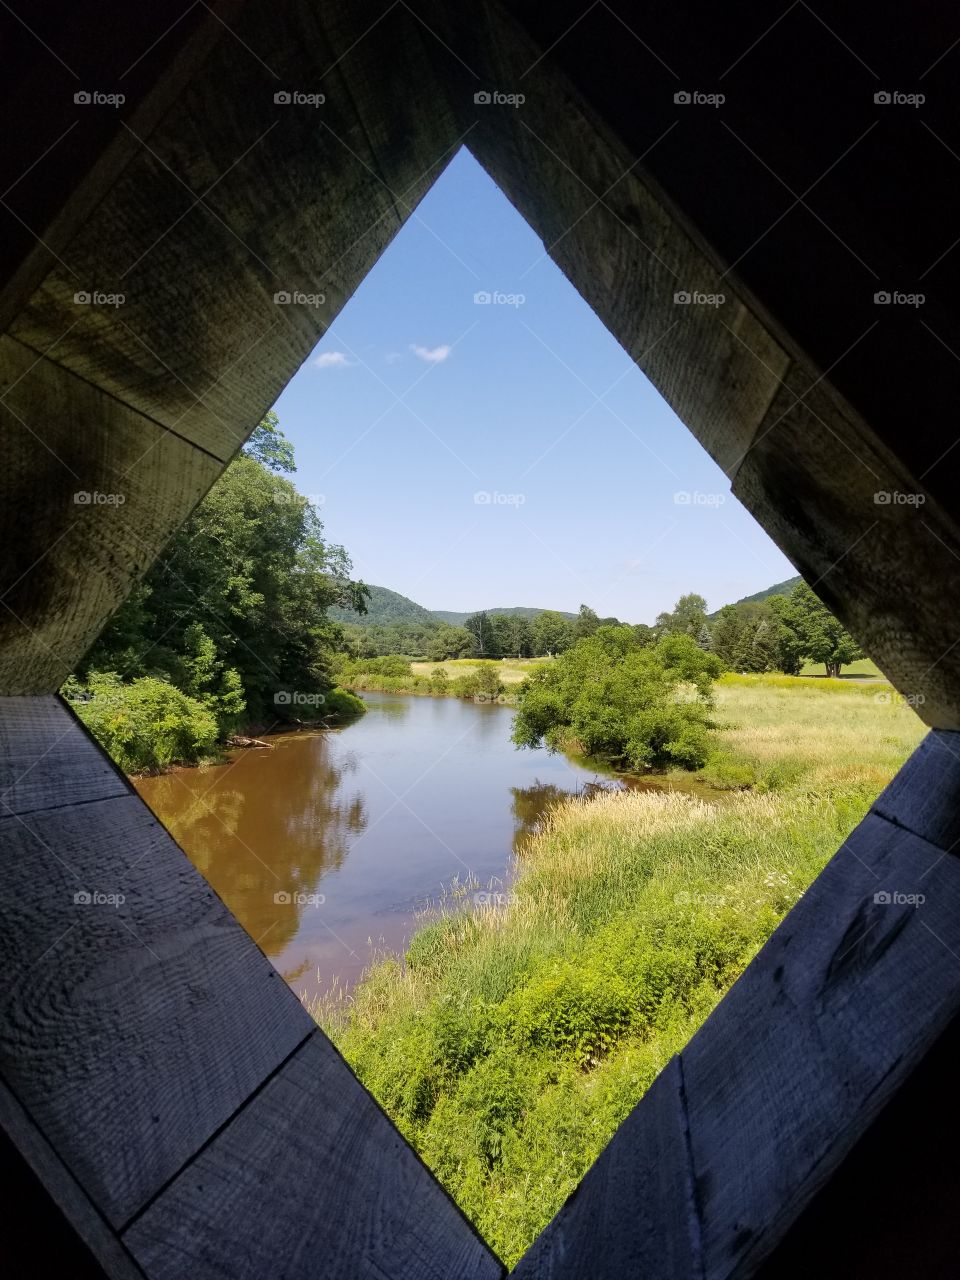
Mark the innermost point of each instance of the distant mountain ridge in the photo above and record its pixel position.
(387, 607)
(778, 589)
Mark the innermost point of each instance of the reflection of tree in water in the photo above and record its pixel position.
(271, 822)
(531, 803)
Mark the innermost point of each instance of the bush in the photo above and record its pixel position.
(145, 725)
(342, 704)
(636, 706)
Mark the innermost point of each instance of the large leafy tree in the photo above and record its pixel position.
(822, 637)
(638, 706)
(251, 569)
(551, 633)
(688, 617)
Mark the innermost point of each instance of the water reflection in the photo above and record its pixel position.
(265, 828)
(327, 845)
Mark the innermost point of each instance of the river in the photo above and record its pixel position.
(332, 845)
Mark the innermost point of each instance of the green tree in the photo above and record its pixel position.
(243, 587)
(551, 633)
(586, 623)
(637, 707)
(270, 447)
(449, 642)
(688, 615)
(822, 637)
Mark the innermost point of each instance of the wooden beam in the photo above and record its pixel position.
(352, 1199)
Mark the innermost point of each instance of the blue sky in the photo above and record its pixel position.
(473, 455)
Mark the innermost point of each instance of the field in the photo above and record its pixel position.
(863, 669)
(515, 1036)
(510, 670)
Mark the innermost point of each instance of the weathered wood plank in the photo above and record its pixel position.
(824, 1026)
(609, 231)
(807, 462)
(924, 797)
(234, 198)
(838, 506)
(45, 760)
(136, 1024)
(45, 1206)
(634, 1212)
(309, 1179)
(93, 491)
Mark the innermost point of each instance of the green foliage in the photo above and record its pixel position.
(635, 706)
(688, 617)
(449, 642)
(235, 611)
(269, 446)
(145, 725)
(822, 637)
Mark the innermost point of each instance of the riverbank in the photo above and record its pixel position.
(148, 726)
(516, 1035)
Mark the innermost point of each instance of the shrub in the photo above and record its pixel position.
(145, 725)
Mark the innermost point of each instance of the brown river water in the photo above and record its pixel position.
(332, 845)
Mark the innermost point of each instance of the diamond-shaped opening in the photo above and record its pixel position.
(509, 1027)
(556, 1052)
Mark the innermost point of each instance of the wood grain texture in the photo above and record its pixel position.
(48, 1217)
(45, 760)
(823, 1027)
(924, 797)
(805, 462)
(93, 492)
(309, 1180)
(234, 198)
(130, 1031)
(832, 496)
(634, 1212)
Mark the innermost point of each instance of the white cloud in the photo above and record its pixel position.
(393, 356)
(331, 360)
(432, 355)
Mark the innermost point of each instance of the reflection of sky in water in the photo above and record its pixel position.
(376, 819)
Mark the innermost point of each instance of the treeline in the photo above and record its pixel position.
(780, 633)
(229, 628)
(483, 635)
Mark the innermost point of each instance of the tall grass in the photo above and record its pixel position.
(513, 1038)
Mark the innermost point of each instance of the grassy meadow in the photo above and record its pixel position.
(519, 1031)
(510, 670)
